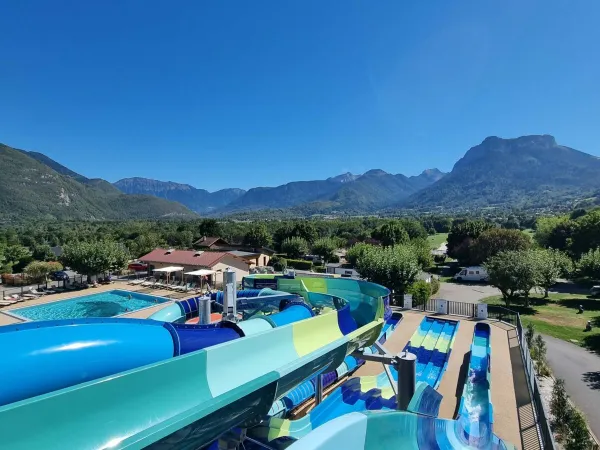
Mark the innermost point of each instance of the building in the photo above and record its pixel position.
(212, 243)
(192, 260)
(255, 257)
(341, 269)
(258, 258)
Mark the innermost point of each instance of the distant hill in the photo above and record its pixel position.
(198, 200)
(346, 193)
(529, 171)
(33, 186)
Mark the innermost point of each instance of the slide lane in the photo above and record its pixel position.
(187, 401)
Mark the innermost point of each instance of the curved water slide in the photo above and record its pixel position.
(169, 400)
(374, 430)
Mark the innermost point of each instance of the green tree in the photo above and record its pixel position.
(461, 236)
(257, 236)
(586, 234)
(294, 247)
(560, 408)
(145, 243)
(544, 229)
(589, 264)
(305, 230)
(43, 252)
(421, 292)
(578, 437)
(39, 270)
(16, 257)
(422, 251)
(394, 267)
(93, 258)
(391, 233)
(325, 248)
(551, 265)
(514, 273)
(495, 240)
(414, 228)
(355, 252)
(210, 227)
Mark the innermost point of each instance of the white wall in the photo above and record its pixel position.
(239, 266)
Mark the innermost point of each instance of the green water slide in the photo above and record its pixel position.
(187, 401)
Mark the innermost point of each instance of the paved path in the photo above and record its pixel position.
(467, 293)
(581, 371)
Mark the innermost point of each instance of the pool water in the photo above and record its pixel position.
(104, 304)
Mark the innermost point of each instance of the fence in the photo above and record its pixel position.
(462, 309)
(12, 287)
(542, 417)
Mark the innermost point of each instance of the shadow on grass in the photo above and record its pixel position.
(592, 379)
(592, 342)
(588, 304)
(570, 288)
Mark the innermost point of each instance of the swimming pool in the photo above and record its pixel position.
(104, 304)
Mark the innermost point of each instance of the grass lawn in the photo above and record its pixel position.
(435, 240)
(557, 316)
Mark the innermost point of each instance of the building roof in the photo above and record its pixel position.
(209, 241)
(185, 257)
(242, 254)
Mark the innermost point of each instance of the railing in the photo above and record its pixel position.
(542, 417)
(502, 314)
(462, 309)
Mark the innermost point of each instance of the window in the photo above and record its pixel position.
(477, 272)
(470, 272)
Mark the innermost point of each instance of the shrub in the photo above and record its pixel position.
(578, 436)
(320, 269)
(529, 335)
(278, 263)
(435, 285)
(560, 408)
(421, 292)
(300, 264)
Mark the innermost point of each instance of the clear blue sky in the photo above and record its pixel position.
(258, 93)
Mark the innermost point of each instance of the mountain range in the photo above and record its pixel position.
(33, 186)
(526, 172)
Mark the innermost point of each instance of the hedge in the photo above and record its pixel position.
(300, 264)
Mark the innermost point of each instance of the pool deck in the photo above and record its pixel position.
(6, 319)
(506, 418)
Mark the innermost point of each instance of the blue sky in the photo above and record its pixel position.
(241, 94)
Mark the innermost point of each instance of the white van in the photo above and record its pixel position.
(475, 273)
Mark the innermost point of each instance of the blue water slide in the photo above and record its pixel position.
(52, 355)
(265, 300)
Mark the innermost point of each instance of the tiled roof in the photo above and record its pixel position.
(184, 257)
(209, 241)
(242, 254)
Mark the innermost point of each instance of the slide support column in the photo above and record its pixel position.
(406, 364)
(319, 389)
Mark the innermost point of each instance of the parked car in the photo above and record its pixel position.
(595, 291)
(59, 276)
(138, 267)
(475, 273)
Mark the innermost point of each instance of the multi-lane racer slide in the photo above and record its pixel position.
(118, 383)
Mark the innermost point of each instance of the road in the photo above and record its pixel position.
(581, 371)
(467, 293)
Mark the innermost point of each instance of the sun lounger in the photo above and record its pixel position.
(7, 302)
(136, 282)
(175, 286)
(149, 282)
